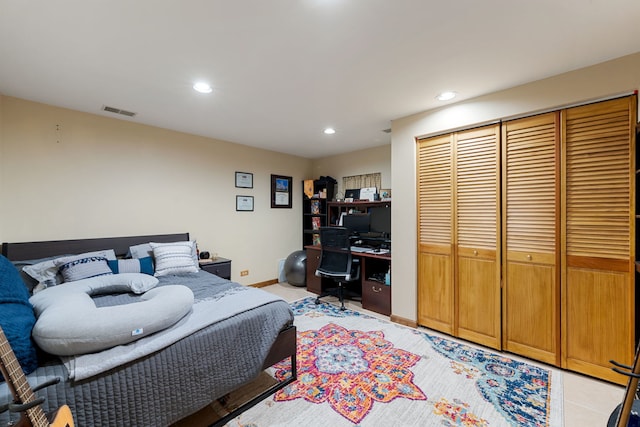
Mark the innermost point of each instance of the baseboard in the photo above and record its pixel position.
(263, 284)
(403, 321)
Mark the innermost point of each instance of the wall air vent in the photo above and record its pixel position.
(118, 111)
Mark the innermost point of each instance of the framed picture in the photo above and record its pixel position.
(353, 193)
(280, 191)
(244, 180)
(244, 203)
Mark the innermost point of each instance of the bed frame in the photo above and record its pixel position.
(35, 250)
(284, 347)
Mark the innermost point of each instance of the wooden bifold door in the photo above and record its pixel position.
(526, 236)
(459, 250)
(531, 230)
(598, 237)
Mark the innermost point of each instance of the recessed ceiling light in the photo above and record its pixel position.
(202, 87)
(329, 131)
(445, 96)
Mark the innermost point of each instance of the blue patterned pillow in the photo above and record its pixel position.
(135, 265)
(16, 315)
(82, 266)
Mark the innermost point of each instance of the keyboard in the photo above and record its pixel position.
(360, 249)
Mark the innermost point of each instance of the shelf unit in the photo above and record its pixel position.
(314, 211)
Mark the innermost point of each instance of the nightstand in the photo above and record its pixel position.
(221, 267)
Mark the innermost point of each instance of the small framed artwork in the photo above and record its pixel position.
(244, 203)
(353, 194)
(244, 180)
(281, 191)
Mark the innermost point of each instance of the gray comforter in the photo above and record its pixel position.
(167, 385)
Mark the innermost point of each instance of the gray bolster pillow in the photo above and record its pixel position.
(69, 323)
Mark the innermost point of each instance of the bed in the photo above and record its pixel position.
(178, 378)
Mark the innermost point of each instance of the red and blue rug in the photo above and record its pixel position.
(358, 370)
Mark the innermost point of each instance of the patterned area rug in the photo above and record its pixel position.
(357, 370)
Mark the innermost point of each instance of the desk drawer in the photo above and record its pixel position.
(314, 283)
(376, 297)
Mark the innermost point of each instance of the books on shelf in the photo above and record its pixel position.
(315, 207)
(315, 223)
(308, 188)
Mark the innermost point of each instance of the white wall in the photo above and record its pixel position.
(613, 77)
(101, 177)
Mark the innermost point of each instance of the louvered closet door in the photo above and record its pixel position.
(477, 235)
(435, 234)
(531, 212)
(598, 266)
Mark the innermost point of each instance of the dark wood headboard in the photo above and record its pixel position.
(35, 250)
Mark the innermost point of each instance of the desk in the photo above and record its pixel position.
(376, 296)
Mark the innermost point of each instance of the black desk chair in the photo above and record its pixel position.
(336, 262)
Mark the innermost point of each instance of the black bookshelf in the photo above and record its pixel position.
(315, 211)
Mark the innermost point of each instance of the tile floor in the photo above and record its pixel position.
(587, 402)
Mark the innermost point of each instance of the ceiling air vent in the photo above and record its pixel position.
(118, 111)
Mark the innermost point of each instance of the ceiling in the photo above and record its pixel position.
(283, 70)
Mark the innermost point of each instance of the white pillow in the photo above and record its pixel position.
(142, 250)
(174, 258)
(44, 271)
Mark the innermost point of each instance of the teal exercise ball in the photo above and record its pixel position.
(295, 268)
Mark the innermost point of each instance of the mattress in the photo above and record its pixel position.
(170, 384)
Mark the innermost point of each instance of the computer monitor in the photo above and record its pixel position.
(356, 223)
(380, 220)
